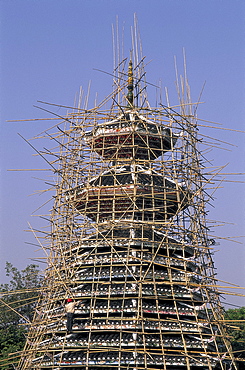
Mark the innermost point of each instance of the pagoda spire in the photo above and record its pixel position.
(130, 87)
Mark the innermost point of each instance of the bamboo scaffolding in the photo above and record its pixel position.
(128, 235)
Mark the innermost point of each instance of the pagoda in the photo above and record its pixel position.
(129, 243)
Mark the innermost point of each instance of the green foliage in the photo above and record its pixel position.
(18, 298)
(236, 330)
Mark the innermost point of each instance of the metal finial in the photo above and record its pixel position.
(130, 95)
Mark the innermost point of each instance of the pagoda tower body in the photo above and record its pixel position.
(129, 242)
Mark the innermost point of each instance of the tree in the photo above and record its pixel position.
(18, 299)
(236, 331)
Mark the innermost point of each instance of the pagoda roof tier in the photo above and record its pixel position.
(130, 192)
(138, 238)
(133, 258)
(121, 272)
(114, 358)
(131, 135)
(107, 338)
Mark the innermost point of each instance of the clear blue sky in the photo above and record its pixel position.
(49, 48)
